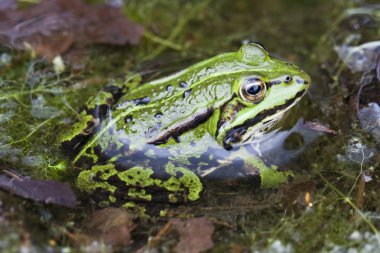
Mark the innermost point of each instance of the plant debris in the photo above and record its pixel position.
(369, 118)
(8, 4)
(195, 235)
(361, 58)
(52, 27)
(111, 225)
(319, 127)
(47, 191)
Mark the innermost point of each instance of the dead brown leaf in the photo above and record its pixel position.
(195, 235)
(53, 26)
(111, 225)
(8, 4)
(47, 191)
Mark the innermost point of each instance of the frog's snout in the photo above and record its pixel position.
(304, 79)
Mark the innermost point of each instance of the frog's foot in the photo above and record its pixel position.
(172, 185)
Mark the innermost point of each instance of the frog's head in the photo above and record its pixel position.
(261, 96)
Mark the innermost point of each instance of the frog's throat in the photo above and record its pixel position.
(244, 132)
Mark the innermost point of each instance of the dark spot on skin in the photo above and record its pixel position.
(234, 135)
(183, 84)
(90, 126)
(98, 150)
(288, 79)
(114, 90)
(301, 81)
(158, 115)
(186, 93)
(179, 174)
(273, 82)
(141, 101)
(227, 147)
(169, 87)
(128, 119)
(100, 111)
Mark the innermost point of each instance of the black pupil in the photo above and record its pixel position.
(254, 89)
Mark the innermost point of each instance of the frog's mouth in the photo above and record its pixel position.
(261, 123)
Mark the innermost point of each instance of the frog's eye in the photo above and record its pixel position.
(253, 90)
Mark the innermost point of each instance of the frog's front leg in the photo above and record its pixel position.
(270, 176)
(172, 184)
(248, 164)
(94, 112)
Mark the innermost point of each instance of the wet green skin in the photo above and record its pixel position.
(155, 141)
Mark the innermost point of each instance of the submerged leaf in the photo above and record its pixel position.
(195, 235)
(362, 58)
(8, 4)
(369, 118)
(52, 27)
(111, 225)
(47, 191)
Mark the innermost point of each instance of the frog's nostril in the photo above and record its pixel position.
(288, 79)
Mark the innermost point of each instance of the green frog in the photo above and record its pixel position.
(160, 141)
